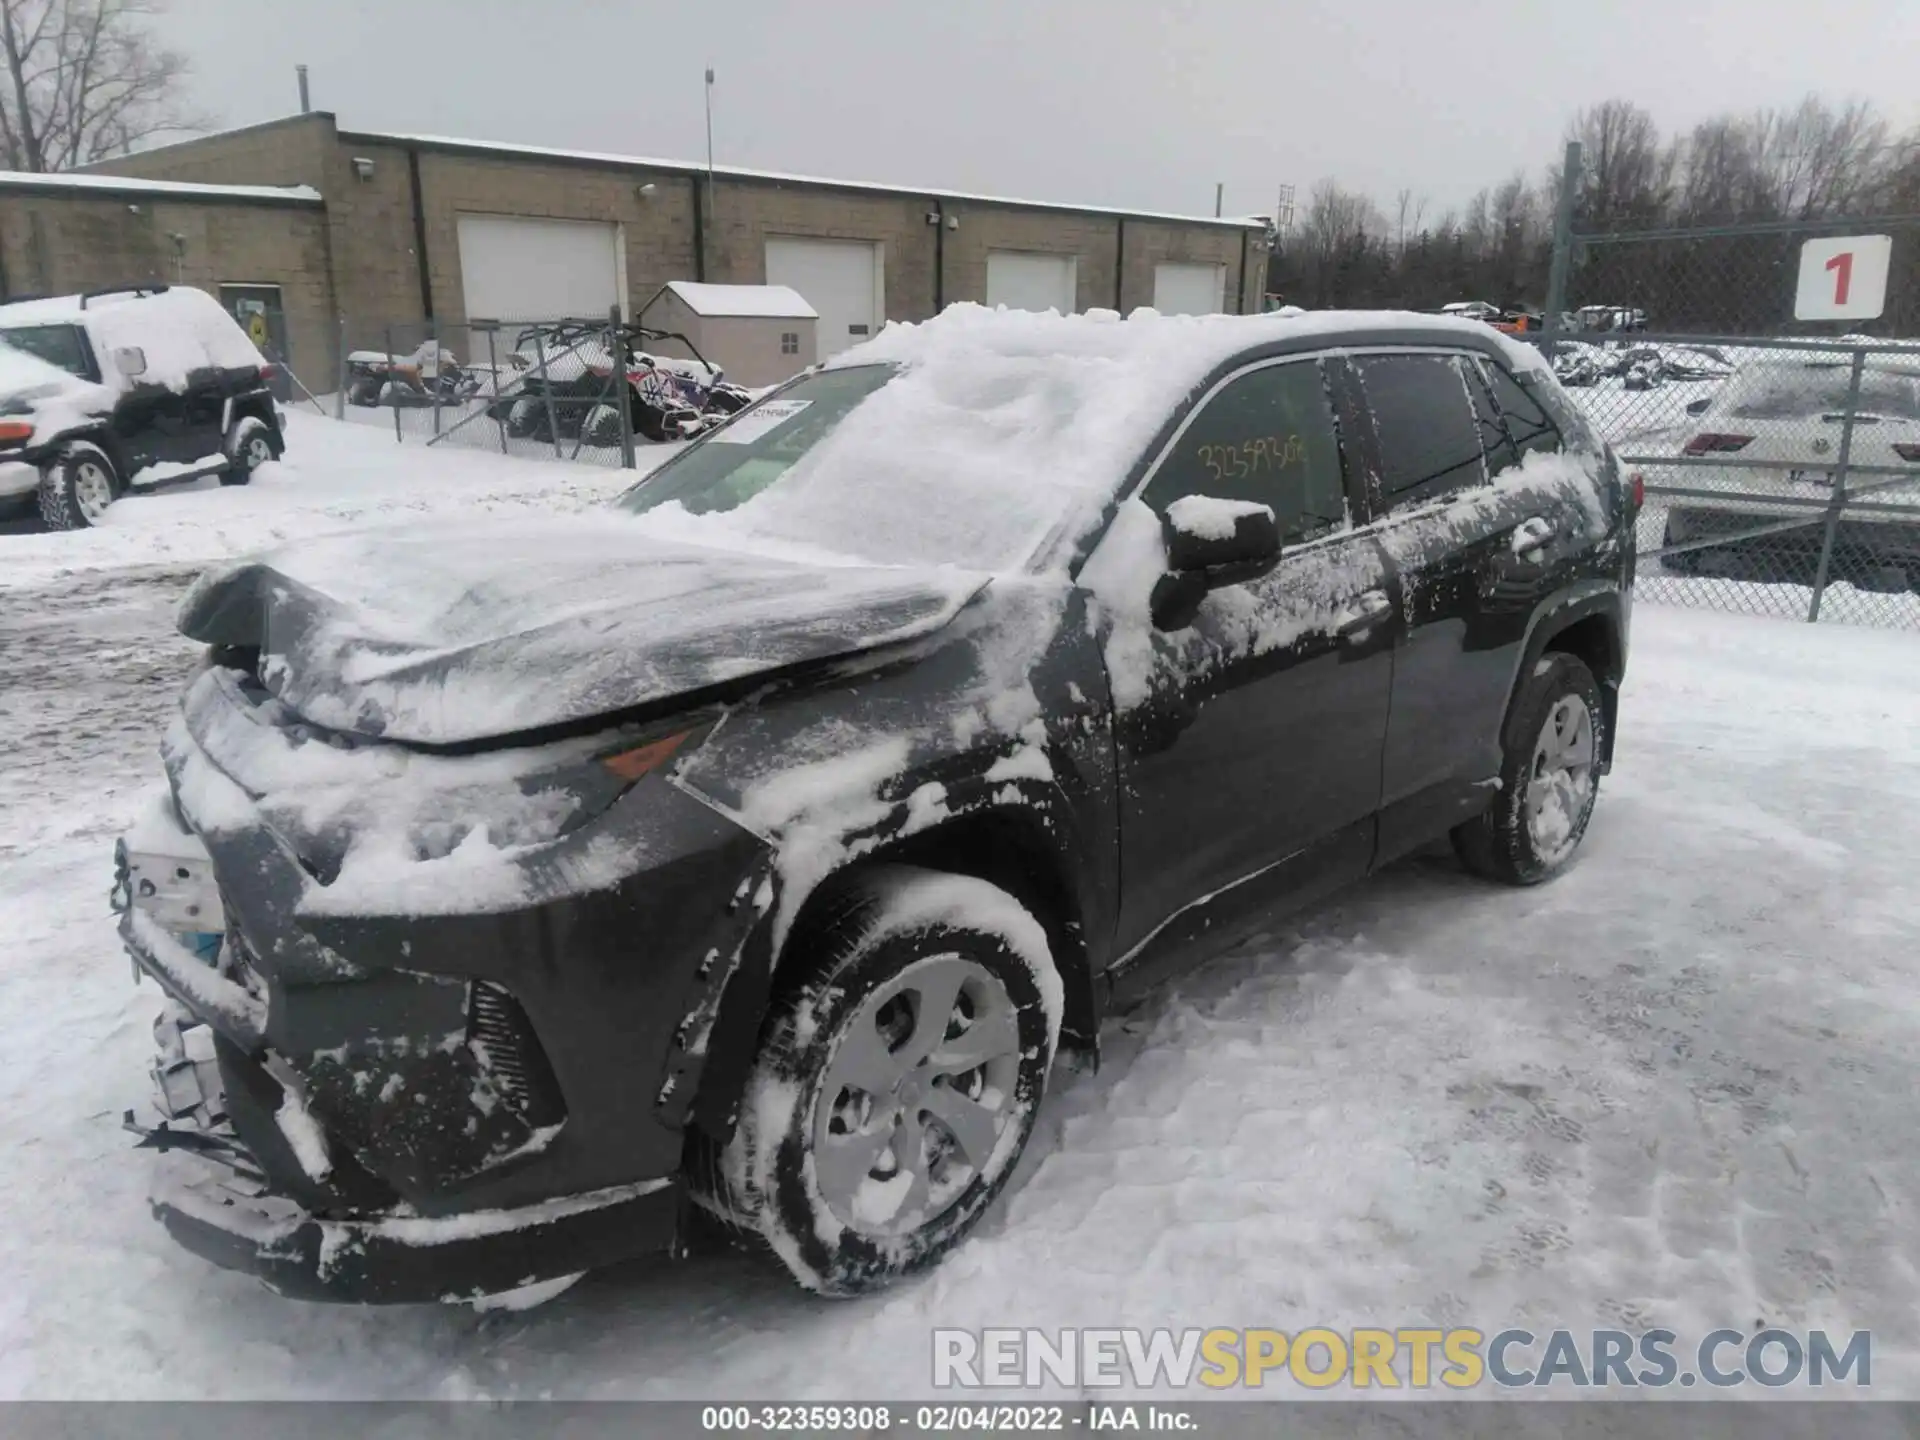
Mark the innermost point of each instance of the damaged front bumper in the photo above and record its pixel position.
(418, 1107)
(213, 1204)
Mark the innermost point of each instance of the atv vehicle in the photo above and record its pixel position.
(426, 374)
(97, 388)
(566, 386)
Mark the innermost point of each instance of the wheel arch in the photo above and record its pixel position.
(1590, 628)
(1010, 846)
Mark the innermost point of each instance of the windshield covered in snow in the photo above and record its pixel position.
(1796, 394)
(840, 466)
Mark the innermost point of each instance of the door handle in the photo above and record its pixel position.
(1367, 610)
(1530, 537)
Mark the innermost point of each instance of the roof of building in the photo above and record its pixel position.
(118, 185)
(772, 302)
(453, 145)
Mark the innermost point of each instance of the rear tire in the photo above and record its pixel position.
(1549, 779)
(897, 1083)
(249, 446)
(76, 487)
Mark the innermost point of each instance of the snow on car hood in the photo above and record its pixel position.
(440, 637)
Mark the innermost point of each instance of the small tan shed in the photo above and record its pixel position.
(757, 334)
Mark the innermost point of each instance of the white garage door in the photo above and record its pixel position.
(841, 279)
(513, 268)
(1023, 281)
(1182, 289)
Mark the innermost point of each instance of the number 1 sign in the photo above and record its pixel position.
(1843, 277)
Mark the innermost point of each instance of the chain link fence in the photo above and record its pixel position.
(1781, 465)
(587, 390)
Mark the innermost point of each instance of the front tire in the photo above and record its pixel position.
(76, 487)
(1549, 780)
(897, 1083)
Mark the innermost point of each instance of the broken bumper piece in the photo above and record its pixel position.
(221, 1212)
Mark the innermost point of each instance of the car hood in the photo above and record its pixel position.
(452, 636)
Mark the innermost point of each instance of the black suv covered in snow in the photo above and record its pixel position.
(758, 842)
(130, 379)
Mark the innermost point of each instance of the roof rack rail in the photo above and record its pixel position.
(122, 290)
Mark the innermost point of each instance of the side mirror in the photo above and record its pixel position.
(1210, 543)
(130, 361)
(1699, 407)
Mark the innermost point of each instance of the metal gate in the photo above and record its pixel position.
(1765, 384)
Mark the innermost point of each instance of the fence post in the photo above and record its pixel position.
(1839, 501)
(493, 369)
(617, 354)
(340, 387)
(392, 395)
(546, 390)
(434, 337)
(1562, 246)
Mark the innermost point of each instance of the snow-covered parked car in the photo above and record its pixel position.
(1788, 415)
(758, 842)
(130, 379)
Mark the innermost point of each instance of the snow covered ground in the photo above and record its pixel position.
(1673, 1087)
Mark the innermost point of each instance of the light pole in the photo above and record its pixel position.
(709, 131)
(710, 214)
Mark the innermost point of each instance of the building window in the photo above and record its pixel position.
(789, 342)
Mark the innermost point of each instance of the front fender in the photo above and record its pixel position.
(986, 751)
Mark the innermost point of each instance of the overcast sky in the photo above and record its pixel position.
(1136, 103)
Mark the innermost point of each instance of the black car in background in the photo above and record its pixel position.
(141, 376)
(758, 842)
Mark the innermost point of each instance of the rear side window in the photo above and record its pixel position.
(1526, 419)
(1268, 436)
(1429, 439)
(62, 345)
(1494, 442)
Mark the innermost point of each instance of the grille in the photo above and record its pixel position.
(510, 1053)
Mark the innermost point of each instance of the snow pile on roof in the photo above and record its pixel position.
(1008, 427)
(178, 329)
(772, 302)
(129, 185)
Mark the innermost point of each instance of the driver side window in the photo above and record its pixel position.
(1268, 436)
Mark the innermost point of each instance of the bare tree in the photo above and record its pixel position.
(85, 79)
(1627, 174)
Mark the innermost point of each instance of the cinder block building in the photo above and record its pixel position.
(383, 233)
(261, 249)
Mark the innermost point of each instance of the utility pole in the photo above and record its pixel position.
(1219, 197)
(306, 106)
